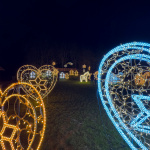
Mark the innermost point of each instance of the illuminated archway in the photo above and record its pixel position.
(125, 101)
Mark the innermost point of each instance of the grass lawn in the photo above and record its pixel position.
(75, 122)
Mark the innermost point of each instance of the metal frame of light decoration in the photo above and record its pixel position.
(24, 116)
(43, 83)
(126, 103)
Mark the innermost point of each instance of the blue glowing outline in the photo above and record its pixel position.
(135, 56)
(135, 123)
(139, 56)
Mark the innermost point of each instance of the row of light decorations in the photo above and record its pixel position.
(124, 89)
(22, 110)
(75, 73)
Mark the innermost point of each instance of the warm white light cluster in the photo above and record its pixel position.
(84, 77)
(53, 63)
(124, 89)
(141, 79)
(69, 63)
(27, 119)
(67, 76)
(62, 75)
(71, 72)
(43, 79)
(95, 75)
(76, 73)
(84, 66)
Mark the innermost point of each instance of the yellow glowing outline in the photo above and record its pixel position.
(23, 72)
(39, 103)
(76, 73)
(71, 72)
(67, 76)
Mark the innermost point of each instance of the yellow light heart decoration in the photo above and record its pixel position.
(22, 118)
(43, 79)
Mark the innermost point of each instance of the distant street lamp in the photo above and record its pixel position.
(84, 66)
(89, 68)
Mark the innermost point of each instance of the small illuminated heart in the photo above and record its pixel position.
(22, 119)
(43, 79)
(124, 89)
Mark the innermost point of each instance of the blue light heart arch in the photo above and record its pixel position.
(127, 100)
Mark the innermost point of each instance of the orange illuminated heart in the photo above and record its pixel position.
(22, 118)
(43, 79)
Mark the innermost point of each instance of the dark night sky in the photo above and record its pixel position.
(88, 24)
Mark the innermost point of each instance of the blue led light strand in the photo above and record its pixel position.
(104, 75)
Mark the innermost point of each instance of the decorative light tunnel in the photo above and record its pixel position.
(124, 89)
(43, 79)
(22, 118)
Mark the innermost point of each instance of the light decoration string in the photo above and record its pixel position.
(84, 77)
(67, 76)
(76, 73)
(95, 75)
(89, 77)
(71, 72)
(23, 119)
(124, 89)
(43, 79)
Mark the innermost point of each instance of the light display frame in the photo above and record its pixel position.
(42, 82)
(76, 73)
(33, 120)
(133, 128)
(85, 77)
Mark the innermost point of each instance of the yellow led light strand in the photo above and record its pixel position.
(11, 126)
(96, 75)
(25, 97)
(66, 76)
(76, 73)
(54, 71)
(45, 73)
(141, 79)
(71, 72)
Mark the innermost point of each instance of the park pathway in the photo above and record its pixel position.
(75, 122)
